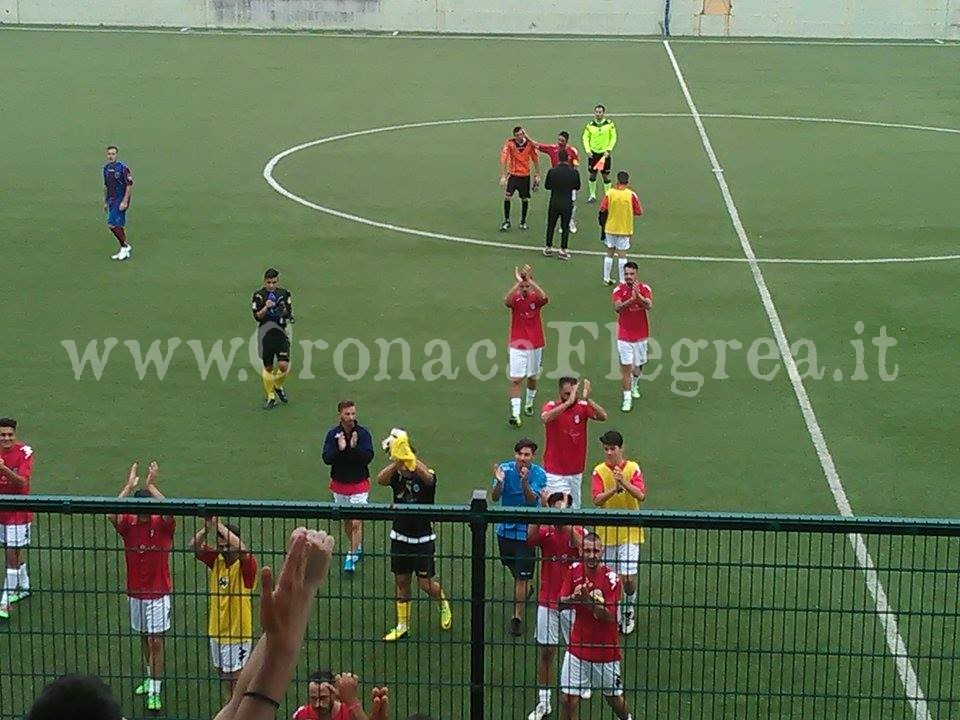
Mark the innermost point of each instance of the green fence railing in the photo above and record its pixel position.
(738, 616)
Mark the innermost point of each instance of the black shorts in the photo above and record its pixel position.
(519, 184)
(274, 345)
(518, 557)
(595, 158)
(410, 558)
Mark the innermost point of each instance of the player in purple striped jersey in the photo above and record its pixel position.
(117, 186)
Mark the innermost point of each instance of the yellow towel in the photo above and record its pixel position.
(398, 444)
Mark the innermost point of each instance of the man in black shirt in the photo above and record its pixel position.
(412, 540)
(561, 181)
(273, 309)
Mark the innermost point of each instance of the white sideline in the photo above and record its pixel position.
(885, 613)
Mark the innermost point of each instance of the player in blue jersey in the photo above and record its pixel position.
(117, 186)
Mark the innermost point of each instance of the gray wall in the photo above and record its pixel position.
(793, 18)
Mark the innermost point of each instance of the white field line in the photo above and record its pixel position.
(386, 35)
(885, 613)
(268, 175)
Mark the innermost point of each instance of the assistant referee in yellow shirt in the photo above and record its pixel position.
(599, 139)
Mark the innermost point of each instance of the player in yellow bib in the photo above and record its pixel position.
(233, 576)
(618, 485)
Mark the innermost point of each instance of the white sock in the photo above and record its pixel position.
(24, 577)
(9, 585)
(607, 267)
(629, 601)
(154, 687)
(531, 394)
(634, 382)
(543, 695)
(515, 406)
(626, 394)
(620, 263)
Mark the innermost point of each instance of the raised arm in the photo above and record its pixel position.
(128, 487)
(385, 475)
(152, 472)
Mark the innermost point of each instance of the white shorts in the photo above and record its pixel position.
(230, 657)
(15, 536)
(150, 617)
(553, 625)
(623, 559)
(566, 483)
(577, 676)
(632, 353)
(352, 499)
(616, 242)
(525, 363)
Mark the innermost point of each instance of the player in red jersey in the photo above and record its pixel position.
(565, 451)
(332, 697)
(553, 152)
(632, 300)
(593, 657)
(147, 541)
(559, 548)
(525, 300)
(16, 466)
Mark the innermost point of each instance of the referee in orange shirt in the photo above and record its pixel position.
(515, 158)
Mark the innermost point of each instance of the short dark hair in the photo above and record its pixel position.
(321, 676)
(113, 147)
(8, 422)
(82, 696)
(567, 380)
(601, 106)
(142, 493)
(271, 273)
(234, 528)
(632, 265)
(344, 404)
(564, 134)
(525, 443)
(592, 537)
(612, 437)
(517, 129)
(623, 177)
(563, 156)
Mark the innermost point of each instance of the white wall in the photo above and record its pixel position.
(793, 18)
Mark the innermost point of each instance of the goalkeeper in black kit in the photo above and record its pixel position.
(272, 308)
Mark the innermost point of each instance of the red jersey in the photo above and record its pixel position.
(557, 552)
(591, 639)
(566, 438)
(305, 712)
(18, 458)
(553, 151)
(632, 322)
(147, 547)
(526, 330)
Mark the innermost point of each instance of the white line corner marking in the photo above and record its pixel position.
(885, 613)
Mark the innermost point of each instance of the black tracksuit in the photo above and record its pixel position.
(561, 182)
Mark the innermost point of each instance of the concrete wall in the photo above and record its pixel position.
(792, 18)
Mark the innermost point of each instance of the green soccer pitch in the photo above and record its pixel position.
(198, 117)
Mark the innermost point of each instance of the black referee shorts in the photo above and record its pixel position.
(274, 345)
(594, 159)
(410, 558)
(519, 184)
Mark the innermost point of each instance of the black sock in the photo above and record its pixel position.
(506, 210)
(524, 204)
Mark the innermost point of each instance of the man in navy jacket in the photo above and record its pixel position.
(348, 450)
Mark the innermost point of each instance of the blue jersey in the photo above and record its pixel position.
(116, 178)
(513, 496)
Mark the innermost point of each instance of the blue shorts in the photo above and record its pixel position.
(115, 216)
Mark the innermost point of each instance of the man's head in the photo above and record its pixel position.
(558, 500)
(524, 451)
(347, 409)
(563, 157)
(76, 696)
(563, 138)
(320, 695)
(229, 552)
(271, 278)
(143, 494)
(623, 177)
(566, 385)
(8, 433)
(598, 112)
(630, 272)
(592, 550)
(112, 152)
(612, 443)
(519, 134)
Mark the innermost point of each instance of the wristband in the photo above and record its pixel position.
(262, 698)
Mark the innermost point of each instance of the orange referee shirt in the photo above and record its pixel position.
(518, 157)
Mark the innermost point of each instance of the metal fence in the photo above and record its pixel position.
(738, 616)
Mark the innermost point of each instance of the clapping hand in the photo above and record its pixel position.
(341, 441)
(354, 439)
(498, 472)
(152, 473)
(132, 478)
(586, 389)
(380, 698)
(346, 688)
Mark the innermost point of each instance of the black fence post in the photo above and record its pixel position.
(478, 586)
